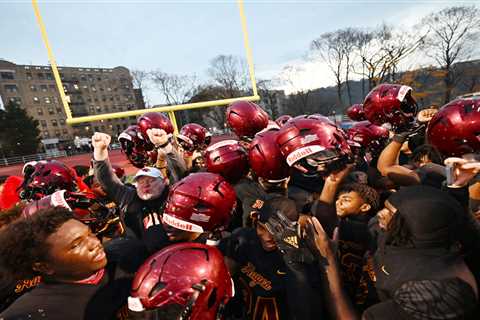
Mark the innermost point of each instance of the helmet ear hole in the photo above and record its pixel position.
(212, 298)
(157, 288)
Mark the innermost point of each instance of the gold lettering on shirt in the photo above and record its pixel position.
(255, 277)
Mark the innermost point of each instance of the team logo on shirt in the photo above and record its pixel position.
(255, 277)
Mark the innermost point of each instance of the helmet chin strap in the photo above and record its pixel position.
(187, 311)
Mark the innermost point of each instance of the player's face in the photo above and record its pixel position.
(349, 203)
(266, 238)
(75, 252)
(149, 187)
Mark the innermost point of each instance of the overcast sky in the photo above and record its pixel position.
(182, 36)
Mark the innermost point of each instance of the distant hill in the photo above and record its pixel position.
(427, 83)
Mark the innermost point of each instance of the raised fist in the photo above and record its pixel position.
(158, 137)
(101, 141)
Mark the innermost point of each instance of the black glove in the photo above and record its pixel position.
(405, 133)
(285, 233)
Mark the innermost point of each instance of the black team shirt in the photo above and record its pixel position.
(260, 281)
(73, 301)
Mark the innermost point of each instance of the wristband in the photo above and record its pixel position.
(400, 138)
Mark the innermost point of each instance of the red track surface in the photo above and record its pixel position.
(116, 157)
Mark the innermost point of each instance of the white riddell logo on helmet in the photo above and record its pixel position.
(302, 153)
(403, 92)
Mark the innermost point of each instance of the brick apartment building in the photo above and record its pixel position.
(91, 91)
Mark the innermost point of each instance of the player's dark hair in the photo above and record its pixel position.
(23, 242)
(367, 193)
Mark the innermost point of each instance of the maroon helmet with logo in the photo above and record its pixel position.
(45, 177)
(455, 128)
(356, 112)
(368, 136)
(85, 207)
(246, 118)
(265, 157)
(152, 120)
(227, 158)
(187, 281)
(139, 152)
(315, 144)
(390, 103)
(200, 202)
(282, 120)
(193, 137)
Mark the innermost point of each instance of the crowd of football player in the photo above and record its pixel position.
(293, 218)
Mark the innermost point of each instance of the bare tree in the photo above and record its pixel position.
(177, 89)
(271, 99)
(336, 50)
(329, 47)
(230, 73)
(453, 36)
(380, 52)
(140, 80)
(298, 101)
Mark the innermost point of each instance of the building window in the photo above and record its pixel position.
(29, 76)
(52, 87)
(43, 123)
(51, 111)
(40, 111)
(44, 88)
(47, 100)
(99, 78)
(7, 75)
(57, 133)
(93, 88)
(40, 76)
(62, 122)
(59, 110)
(54, 123)
(98, 108)
(83, 78)
(49, 76)
(89, 99)
(97, 129)
(65, 131)
(76, 87)
(109, 89)
(12, 88)
(45, 134)
(92, 109)
(55, 100)
(36, 100)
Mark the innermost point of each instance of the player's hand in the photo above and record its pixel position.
(339, 176)
(318, 240)
(426, 115)
(463, 171)
(157, 136)
(101, 141)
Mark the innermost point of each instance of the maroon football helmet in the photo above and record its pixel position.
(246, 118)
(227, 158)
(368, 136)
(390, 103)
(139, 152)
(282, 120)
(315, 144)
(200, 202)
(265, 157)
(455, 129)
(85, 207)
(193, 137)
(156, 120)
(187, 281)
(45, 177)
(356, 112)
